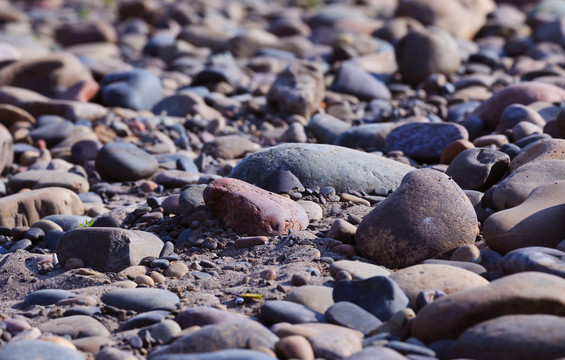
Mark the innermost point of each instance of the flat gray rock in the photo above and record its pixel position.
(322, 165)
(38, 350)
(140, 299)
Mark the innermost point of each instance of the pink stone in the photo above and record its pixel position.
(345, 249)
(251, 210)
(246, 242)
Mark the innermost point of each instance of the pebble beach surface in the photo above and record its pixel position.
(298, 179)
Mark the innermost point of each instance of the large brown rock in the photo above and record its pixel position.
(23, 209)
(108, 249)
(524, 337)
(524, 93)
(423, 52)
(252, 210)
(449, 279)
(6, 148)
(538, 221)
(298, 90)
(427, 216)
(546, 149)
(524, 293)
(448, 14)
(516, 187)
(44, 74)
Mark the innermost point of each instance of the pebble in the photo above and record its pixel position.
(358, 270)
(535, 258)
(133, 163)
(419, 231)
(37, 179)
(108, 249)
(275, 311)
(176, 270)
(315, 297)
(313, 210)
(140, 299)
(231, 354)
(378, 295)
(7, 148)
(545, 149)
(449, 316)
(264, 213)
(327, 128)
(76, 326)
(353, 170)
(137, 89)
(45, 297)
(295, 347)
(37, 349)
(348, 314)
(478, 169)
(144, 319)
(201, 316)
(165, 331)
(250, 241)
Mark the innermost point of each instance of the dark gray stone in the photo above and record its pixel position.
(425, 141)
(275, 311)
(192, 198)
(140, 299)
(201, 316)
(478, 169)
(350, 315)
(137, 89)
(143, 320)
(350, 170)
(46, 297)
(369, 137)
(77, 326)
(327, 128)
(283, 182)
(68, 222)
(535, 258)
(124, 162)
(353, 80)
(53, 131)
(379, 295)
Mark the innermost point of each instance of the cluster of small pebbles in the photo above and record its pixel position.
(299, 179)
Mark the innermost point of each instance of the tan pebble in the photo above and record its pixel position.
(125, 284)
(94, 210)
(59, 341)
(176, 270)
(92, 344)
(149, 186)
(31, 334)
(132, 272)
(144, 280)
(295, 347)
(354, 199)
(74, 263)
(246, 242)
(158, 278)
(468, 253)
(454, 149)
(496, 139)
(88, 272)
(77, 300)
(269, 274)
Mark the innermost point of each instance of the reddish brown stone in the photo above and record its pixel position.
(252, 210)
(246, 242)
(81, 91)
(345, 249)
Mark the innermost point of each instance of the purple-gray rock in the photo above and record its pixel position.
(140, 299)
(38, 349)
(534, 258)
(353, 80)
(124, 162)
(478, 169)
(137, 89)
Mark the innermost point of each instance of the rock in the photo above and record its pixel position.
(176, 270)
(64, 71)
(38, 349)
(454, 149)
(369, 137)
(524, 93)
(535, 258)
(282, 182)
(216, 337)
(165, 331)
(343, 231)
(478, 169)
(425, 51)
(313, 210)
(351, 170)
(253, 211)
(176, 178)
(183, 104)
(295, 347)
(201, 316)
(430, 228)
(124, 162)
(358, 270)
(517, 113)
(136, 89)
(276, 311)
(317, 298)
(512, 337)
(415, 279)
(84, 32)
(353, 80)
(376, 352)
(26, 208)
(352, 316)
(523, 293)
(443, 14)
(109, 353)
(140, 299)
(37, 179)
(516, 187)
(546, 149)
(327, 128)
(230, 354)
(192, 198)
(336, 344)
(6, 148)
(230, 147)
(379, 295)
(424, 141)
(108, 249)
(46, 297)
(535, 222)
(77, 326)
(298, 90)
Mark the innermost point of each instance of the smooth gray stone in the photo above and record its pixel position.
(46, 297)
(77, 326)
(535, 258)
(192, 198)
(350, 170)
(216, 337)
(232, 354)
(478, 169)
(326, 128)
(143, 319)
(353, 80)
(201, 316)
(353, 316)
(37, 350)
(124, 162)
(275, 311)
(140, 299)
(367, 137)
(137, 89)
(68, 222)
